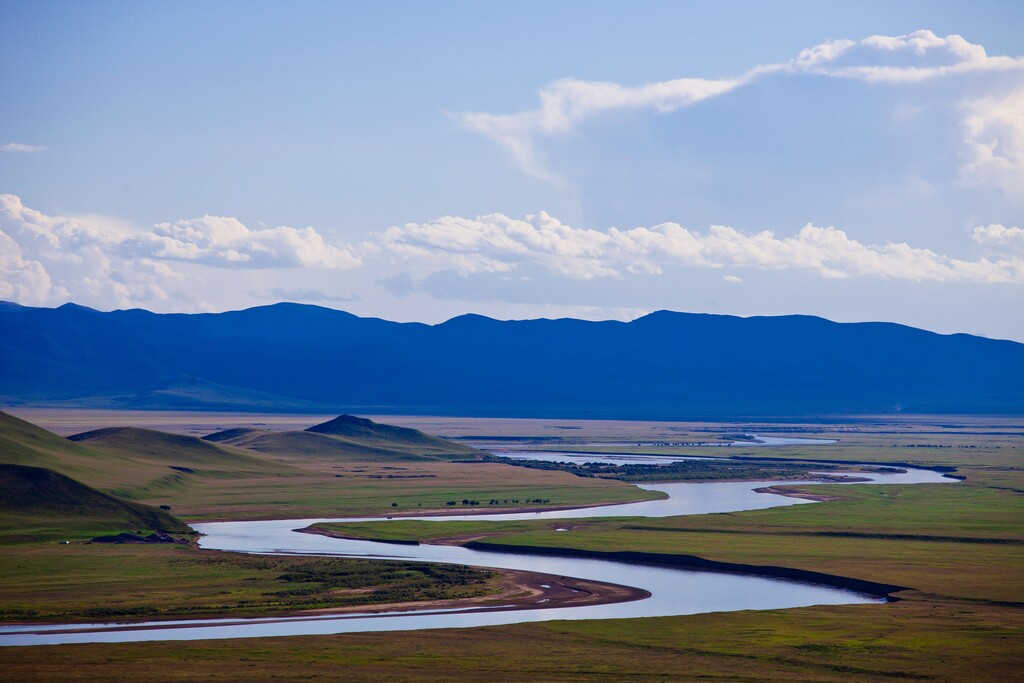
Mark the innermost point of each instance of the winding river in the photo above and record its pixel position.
(674, 591)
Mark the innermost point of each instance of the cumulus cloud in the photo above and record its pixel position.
(19, 147)
(226, 242)
(22, 279)
(732, 279)
(499, 244)
(49, 259)
(994, 135)
(1000, 237)
(913, 58)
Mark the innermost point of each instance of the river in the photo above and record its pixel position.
(674, 591)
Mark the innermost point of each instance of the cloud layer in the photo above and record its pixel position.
(499, 244)
(50, 259)
(993, 125)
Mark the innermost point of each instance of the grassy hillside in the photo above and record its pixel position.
(369, 433)
(309, 475)
(173, 449)
(39, 503)
(23, 443)
(346, 438)
(290, 445)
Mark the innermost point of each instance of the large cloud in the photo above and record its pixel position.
(46, 260)
(992, 124)
(498, 243)
(226, 242)
(994, 134)
(94, 259)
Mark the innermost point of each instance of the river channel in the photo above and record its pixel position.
(674, 591)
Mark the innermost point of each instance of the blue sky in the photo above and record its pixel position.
(416, 161)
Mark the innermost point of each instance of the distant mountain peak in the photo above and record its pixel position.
(343, 424)
(665, 365)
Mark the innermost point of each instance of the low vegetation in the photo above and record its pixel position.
(202, 480)
(89, 582)
(347, 438)
(682, 470)
(40, 504)
(958, 547)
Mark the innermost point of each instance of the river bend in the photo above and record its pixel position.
(674, 591)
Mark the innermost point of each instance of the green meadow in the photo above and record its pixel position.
(103, 582)
(957, 548)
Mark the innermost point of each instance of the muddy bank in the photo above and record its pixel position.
(519, 590)
(882, 590)
(796, 493)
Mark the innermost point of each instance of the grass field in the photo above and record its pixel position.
(959, 548)
(102, 582)
(200, 480)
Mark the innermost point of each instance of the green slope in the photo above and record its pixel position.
(369, 433)
(173, 449)
(347, 438)
(39, 503)
(23, 443)
(290, 444)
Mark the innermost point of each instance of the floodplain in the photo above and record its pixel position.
(957, 549)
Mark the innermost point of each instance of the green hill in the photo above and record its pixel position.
(23, 443)
(369, 433)
(346, 438)
(39, 503)
(309, 445)
(172, 449)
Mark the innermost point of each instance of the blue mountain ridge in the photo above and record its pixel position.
(665, 365)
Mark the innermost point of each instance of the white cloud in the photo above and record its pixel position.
(732, 279)
(999, 237)
(21, 279)
(19, 147)
(105, 262)
(994, 134)
(498, 244)
(913, 58)
(226, 242)
(565, 103)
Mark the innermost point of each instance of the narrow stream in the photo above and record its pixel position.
(673, 591)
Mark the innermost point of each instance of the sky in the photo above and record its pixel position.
(600, 160)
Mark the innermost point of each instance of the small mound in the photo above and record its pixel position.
(38, 492)
(306, 444)
(367, 431)
(234, 436)
(165, 448)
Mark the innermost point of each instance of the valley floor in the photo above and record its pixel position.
(960, 549)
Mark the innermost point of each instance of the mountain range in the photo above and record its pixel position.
(666, 365)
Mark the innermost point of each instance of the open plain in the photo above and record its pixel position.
(956, 549)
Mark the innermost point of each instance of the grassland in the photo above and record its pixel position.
(39, 504)
(201, 480)
(959, 548)
(82, 582)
